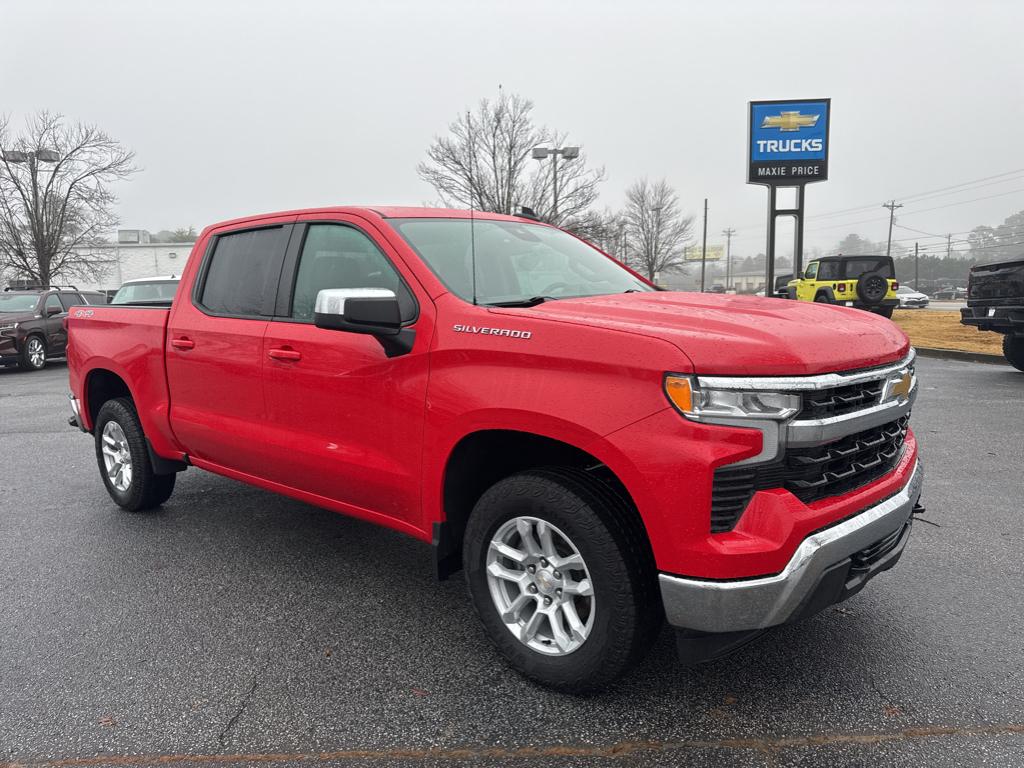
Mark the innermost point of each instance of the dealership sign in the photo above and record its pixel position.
(788, 142)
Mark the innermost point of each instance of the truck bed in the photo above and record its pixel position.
(128, 341)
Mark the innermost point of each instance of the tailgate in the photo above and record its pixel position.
(996, 284)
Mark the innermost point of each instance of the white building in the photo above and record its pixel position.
(131, 257)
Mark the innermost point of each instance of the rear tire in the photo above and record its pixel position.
(608, 624)
(885, 312)
(822, 298)
(33, 354)
(1013, 351)
(123, 459)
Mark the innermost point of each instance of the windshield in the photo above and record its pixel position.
(139, 293)
(18, 302)
(515, 262)
(856, 268)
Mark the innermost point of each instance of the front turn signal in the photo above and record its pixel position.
(680, 391)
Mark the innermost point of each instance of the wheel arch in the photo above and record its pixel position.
(825, 291)
(482, 458)
(101, 385)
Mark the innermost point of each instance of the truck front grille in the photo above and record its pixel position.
(809, 474)
(837, 401)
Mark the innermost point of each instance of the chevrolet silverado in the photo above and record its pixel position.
(597, 455)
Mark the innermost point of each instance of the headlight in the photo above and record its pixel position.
(711, 405)
(8, 326)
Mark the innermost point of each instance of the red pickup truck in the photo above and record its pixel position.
(596, 454)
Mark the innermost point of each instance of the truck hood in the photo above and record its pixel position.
(742, 335)
(17, 317)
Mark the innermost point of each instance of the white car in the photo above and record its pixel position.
(911, 299)
(147, 290)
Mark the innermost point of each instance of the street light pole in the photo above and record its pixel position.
(567, 153)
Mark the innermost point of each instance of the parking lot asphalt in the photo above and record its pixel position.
(235, 627)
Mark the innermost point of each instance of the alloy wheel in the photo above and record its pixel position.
(540, 586)
(36, 352)
(117, 458)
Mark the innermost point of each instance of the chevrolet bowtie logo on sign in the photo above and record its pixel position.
(788, 142)
(790, 121)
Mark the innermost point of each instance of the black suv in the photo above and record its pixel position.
(32, 323)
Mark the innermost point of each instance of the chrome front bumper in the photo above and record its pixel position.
(753, 604)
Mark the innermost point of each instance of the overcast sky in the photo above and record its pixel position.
(243, 107)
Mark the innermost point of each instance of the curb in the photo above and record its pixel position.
(956, 354)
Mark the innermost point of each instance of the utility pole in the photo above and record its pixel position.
(704, 247)
(728, 232)
(915, 267)
(949, 248)
(892, 205)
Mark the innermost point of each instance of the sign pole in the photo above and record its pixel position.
(769, 252)
(798, 252)
(704, 247)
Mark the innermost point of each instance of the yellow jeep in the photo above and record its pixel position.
(866, 282)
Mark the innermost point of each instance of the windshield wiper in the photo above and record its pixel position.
(530, 302)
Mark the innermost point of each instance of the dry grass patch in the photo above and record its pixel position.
(942, 330)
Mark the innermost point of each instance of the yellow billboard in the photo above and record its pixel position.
(714, 253)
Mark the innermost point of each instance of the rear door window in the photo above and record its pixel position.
(69, 300)
(242, 272)
(856, 268)
(829, 270)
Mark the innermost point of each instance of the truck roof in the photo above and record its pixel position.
(383, 212)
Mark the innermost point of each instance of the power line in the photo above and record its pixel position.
(932, 192)
(964, 202)
(919, 196)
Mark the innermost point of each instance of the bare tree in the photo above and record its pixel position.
(606, 229)
(55, 196)
(485, 163)
(656, 229)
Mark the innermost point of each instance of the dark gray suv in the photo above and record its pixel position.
(32, 323)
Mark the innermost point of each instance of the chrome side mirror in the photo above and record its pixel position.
(358, 310)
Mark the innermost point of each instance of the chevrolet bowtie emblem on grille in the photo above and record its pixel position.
(898, 389)
(790, 121)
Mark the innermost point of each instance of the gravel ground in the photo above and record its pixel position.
(234, 627)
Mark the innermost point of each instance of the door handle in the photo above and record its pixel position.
(183, 343)
(283, 353)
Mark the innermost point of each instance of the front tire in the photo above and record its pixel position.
(562, 578)
(33, 354)
(123, 459)
(1013, 351)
